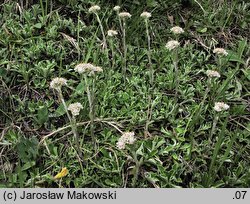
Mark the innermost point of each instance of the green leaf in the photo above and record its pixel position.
(60, 111)
(80, 88)
(202, 30)
(27, 149)
(152, 3)
(234, 57)
(241, 48)
(28, 165)
(38, 25)
(139, 150)
(42, 115)
(246, 73)
(167, 150)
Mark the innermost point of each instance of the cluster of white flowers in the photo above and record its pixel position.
(125, 15)
(75, 108)
(57, 83)
(220, 51)
(126, 138)
(83, 67)
(87, 68)
(172, 44)
(177, 30)
(97, 69)
(117, 8)
(94, 9)
(220, 106)
(112, 33)
(146, 15)
(211, 73)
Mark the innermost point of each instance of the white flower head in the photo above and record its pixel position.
(180, 110)
(177, 30)
(116, 8)
(211, 73)
(97, 69)
(121, 144)
(125, 15)
(57, 83)
(129, 137)
(172, 44)
(112, 33)
(221, 106)
(146, 15)
(220, 51)
(75, 108)
(83, 67)
(94, 9)
(126, 138)
(87, 68)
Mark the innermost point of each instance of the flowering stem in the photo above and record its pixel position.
(176, 80)
(200, 6)
(220, 63)
(120, 21)
(206, 91)
(64, 104)
(138, 164)
(210, 177)
(124, 49)
(136, 173)
(78, 35)
(223, 88)
(93, 110)
(90, 96)
(112, 51)
(149, 115)
(151, 75)
(195, 117)
(151, 79)
(122, 24)
(102, 30)
(72, 123)
(215, 121)
(74, 130)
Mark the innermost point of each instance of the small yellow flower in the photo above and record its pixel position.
(62, 173)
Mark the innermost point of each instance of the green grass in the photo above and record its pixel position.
(185, 144)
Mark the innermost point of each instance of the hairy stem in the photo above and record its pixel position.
(151, 80)
(74, 130)
(151, 74)
(72, 123)
(176, 79)
(124, 49)
(195, 117)
(90, 96)
(102, 30)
